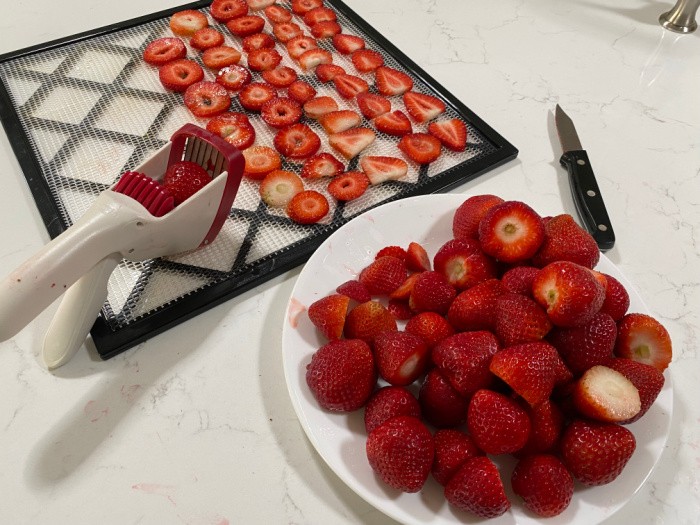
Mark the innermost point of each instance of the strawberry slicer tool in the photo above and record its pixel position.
(122, 223)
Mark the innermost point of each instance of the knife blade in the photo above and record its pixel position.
(584, 188)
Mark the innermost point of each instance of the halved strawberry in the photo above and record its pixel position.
(351, 142)
(326, 29)
(321, 165)
(395, 123)
(431, 293)
(644, 339)
(388, 402)
(316, 107)
(355, 290)
(348, 86)
(163, 50)
(647, 379)
(585, 346)
(187, 22)
(417, 259)
(366, 60)
(280, 76)
(205, 38)
(463, 263)
(319, 14)
(219, 57)
(544, 483)
(604, 394)
(285, 31)
(465, 223)
(477, 488)
(452, 449)
(234, 128)
(299, 45)
(498, 424)
(278, 188)
(246, 25)
(432, 327)
(380, 168)
(225, 10)
(307, 207)
(178, 75)
(348, 186)
(301, 91)
(313, 57)
(423, 107)
(258, 41)
(326, 72)
(401, 357)
(452, 133)
(259, 161)
(392, 82)
(511, 232)
(422, 148)
(253, 96)
(297, 141)
(519, 319)
(372, 105)
(233, 77)
(347, 44)
(475, 307)
(441, 405)
(277, 14)
(281, 112)
(259, 5)
(263, 59)
(207, 99)
(395, 251)
(367, 320)
(338, 121)
(464, 359)
(383, 275)
(301, 7)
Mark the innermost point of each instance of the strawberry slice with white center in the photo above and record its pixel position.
(452, 133)
(326, 72)
(178, 75)
(308, 207)
(253, 96)
(511, 232)
(280, 112)
(263, 59)
(313, 57)
(326, 29)
(219, 57)
(186, 23)
(233, 77)
(606, 395)
(319, 106)
(338, 121)
(349, 86)
(322, 165)
(207, 99)
(381, 168)
(259, 5)
(348, 186)
(301, 91)
(259, 161)
(392, 82)
(347, 44)
(319, 14)
(285, 31)
(351, 142)
(372, 105)
(297, 141)
(235, 128)
(163, 50)
(280, 77)
(301, 7)
(395, 123)
(299, 45)
(279, 187)
(642, 338)
(366, 60)
(278, 14)
(422, 148)
(225, 10)
(423, 107)
(206, 38)
(258, 41)
(246, 25)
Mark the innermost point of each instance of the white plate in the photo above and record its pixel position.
(340, 438)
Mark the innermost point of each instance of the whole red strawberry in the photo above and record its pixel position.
(328, 315)
(341, 375)
(644, 339)
(441, 405)
(511, 232)
(475, 307)
(477, 487)
(384, 275)
(497, 423)
(547, 423)
(355, 290)
(519, 279)
(544, 483)
(595, 453)
(647, 379)
(431, 293)
(519, 319)
(400, 451)
(565, 240)
(367, 320)
(529, 369)
(183, 179)
(617, 300)
(431, 327)
(570, 293)
(388, 402)
(463, 263)
(464, 360)
(465, 223)
(452, 449)
(585, 346)
(400, 357)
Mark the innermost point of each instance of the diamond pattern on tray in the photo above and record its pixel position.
(44, 65)
(48, 142)
(163, 287)
(124, 280)
(99, 66)
(66, 104)
(22, 89)
(130, 115)
(95, 159)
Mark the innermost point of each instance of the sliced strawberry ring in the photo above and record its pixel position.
(321, 165)
(348, 186)
(326, 72)
(279, 187)
(207, 99)
(280, 77)
(349, 86)
(178, 75)
(285, 31)
(187, 22)
(326, 29)
(301, 7)
(259, 161)
(297, 141)
(299, 45)
(277, 14)
(258, 41)
(319, 14)
(280, 112)
(234, 128)
(246, 25)
(263, 59)
(347, 44)
(372, 105)
(206, 38)
(220, 56)
(253, 96)
(308, 207)
(318, 106)
(366, 60)
(422, 148)
(301, 91)
(233, 77)
(313, 57)
(163, 50)
(452, 133)
(225, 10)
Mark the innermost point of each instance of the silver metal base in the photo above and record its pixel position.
(681, 19)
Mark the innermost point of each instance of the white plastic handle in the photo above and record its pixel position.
(77, 312)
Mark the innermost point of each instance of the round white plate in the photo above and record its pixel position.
(340, 438)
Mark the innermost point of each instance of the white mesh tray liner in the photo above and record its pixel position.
(94, 109)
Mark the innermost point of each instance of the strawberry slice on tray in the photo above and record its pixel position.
(299, 45)
(351, 142)
(348, 186)
(297, 141)
(395, 123)
(285, 31)
(253, 96)
(321, 165)
(338, 121)
(422, 148)
(280, 112)
(372, 105)
(246, 25)
(164, 50)
(207, 99)
(301, 7)
(235, 128)
(326, 29)
(349, 86)
(313, 57)
(178, 75)
(225, 10)
(233, 77)
(277, 14)
(347, 44)
(206, 38)
(219, 57)
(452, 133)
(423, 107)
(301, 91)
(381, 168)
(258, 41)
(319, 106)
(366, 60)
(319, 14)
(263, 59)
(187, 22)
(259, 161)
(280, 76)
(308, 207)
(392, 82)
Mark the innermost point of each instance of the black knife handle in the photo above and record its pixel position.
(587, 198)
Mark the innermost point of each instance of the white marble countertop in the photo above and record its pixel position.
(185, 428)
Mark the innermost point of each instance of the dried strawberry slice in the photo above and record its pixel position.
(253, 96)
(178, 75)
(163, 50)
(233, 77)
(225, 10)
(220, 56)
(280, 112)
(297, 141)
(207, 99)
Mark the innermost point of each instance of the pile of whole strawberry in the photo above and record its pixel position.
(514, 345)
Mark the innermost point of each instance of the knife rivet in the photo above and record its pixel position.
(581, 162)
(602, 227)
(590, 193)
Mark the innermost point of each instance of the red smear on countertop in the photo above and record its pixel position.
(295, 310)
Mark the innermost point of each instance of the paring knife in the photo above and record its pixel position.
(587, 198)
